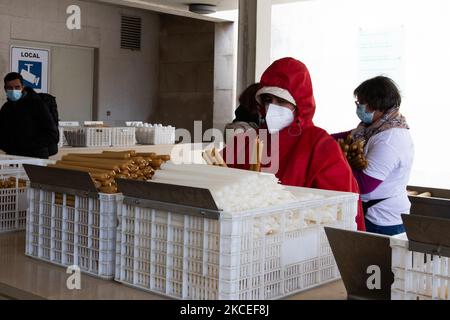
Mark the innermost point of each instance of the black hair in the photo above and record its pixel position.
(248, 97)
(13, 76)
(379, 93)
(248, 110)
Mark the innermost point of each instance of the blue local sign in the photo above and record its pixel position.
(33, 65)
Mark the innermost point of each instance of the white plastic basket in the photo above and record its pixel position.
(188, 257)
(123, 136)
(418, 276)
(88, 137)
(13, 200)
(155, 135)
(62, 126)
(69, 230)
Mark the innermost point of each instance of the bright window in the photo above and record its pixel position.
(344, 42)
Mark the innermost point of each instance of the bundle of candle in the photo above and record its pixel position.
(12, 182)
(213, 156)
(105, 167)
(233, 190)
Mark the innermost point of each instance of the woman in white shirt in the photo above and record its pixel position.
(389, 150)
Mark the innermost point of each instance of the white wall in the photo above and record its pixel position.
(330, 38)
(128, 81)
(73, 106)
(186, 79)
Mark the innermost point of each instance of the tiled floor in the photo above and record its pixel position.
(26, 278)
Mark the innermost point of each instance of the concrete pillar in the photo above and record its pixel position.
(225, 59)
(254, 44)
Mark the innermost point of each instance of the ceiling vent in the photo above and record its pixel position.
(202, 8)
(131, 31)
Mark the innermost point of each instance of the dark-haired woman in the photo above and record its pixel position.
(249, 114)
(389, 151)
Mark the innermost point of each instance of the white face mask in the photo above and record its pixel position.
(278, 118)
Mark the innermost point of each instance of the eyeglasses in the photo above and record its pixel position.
(358, 104)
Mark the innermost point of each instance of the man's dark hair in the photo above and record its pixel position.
(13, 76)
(379, 93)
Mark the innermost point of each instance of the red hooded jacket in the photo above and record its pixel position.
(308, 156)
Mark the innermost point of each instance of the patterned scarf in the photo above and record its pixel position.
(391, 119)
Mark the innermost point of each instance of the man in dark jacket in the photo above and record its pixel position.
(26, 126)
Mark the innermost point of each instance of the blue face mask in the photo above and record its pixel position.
(366, 117)
(14, 95)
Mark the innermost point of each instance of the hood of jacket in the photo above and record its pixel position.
(289, 79)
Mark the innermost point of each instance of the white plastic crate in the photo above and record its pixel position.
(123, 136)
(418, 276)
(155, 135)
(88, 137)
(62, 126)
(13, 200)
(187, 257)
(69, 230)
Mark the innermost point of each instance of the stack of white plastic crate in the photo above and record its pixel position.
(69, 230)
(189, 257)
(155, 134)
(418, 276)
(13, 200)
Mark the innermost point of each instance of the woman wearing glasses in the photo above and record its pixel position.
(388, 152)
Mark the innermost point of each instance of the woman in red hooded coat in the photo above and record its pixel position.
(307, 155)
